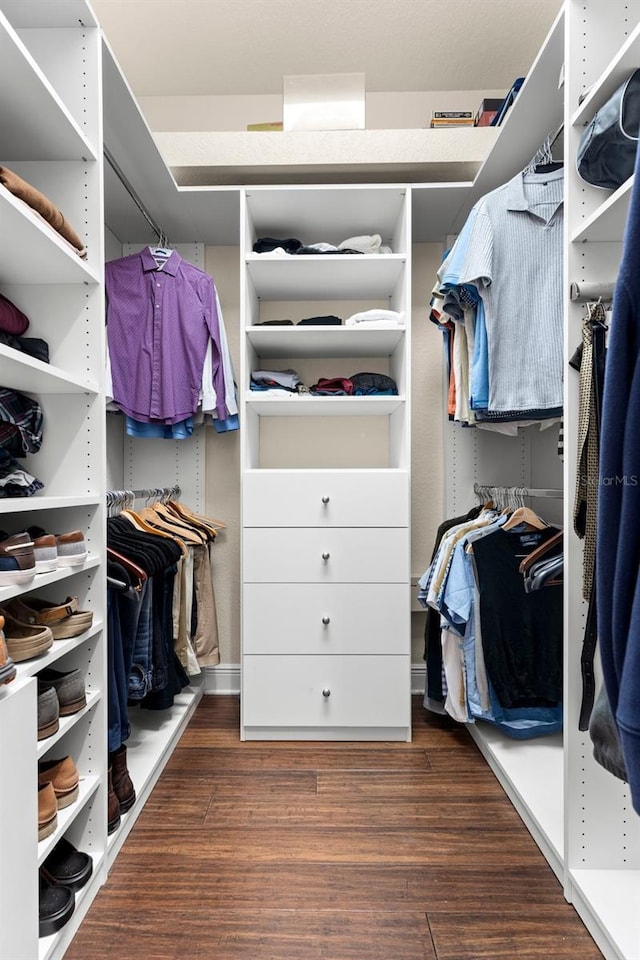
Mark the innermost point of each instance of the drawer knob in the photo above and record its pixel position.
(326, 693)
(326, 621)
(326, 499)
(326, 555)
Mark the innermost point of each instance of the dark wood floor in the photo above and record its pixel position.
(322, 851)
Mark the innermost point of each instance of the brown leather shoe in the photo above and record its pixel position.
(63, 619)
(64, 777)
(122, 785)
(24, 641)
(7, 666)
(47, 810)
(113, 806)
(17, 560)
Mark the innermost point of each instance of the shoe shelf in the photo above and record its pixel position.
(44, 579)
(59, 649)
(58, 942)
(67, 722)
(87, 787)
(18, 371)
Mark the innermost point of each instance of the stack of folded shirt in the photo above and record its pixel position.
(275, 381)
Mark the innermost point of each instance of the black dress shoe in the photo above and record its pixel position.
(68, 866)
(57, 904)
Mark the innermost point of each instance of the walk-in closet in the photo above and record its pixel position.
(236, 595)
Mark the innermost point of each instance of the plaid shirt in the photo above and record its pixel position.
(20, 423)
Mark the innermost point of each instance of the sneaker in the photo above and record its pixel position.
(72, 548)
(23, 640)
(45, 549)
(7, 666)
(17, 560)
(69, 687)
(63, 619)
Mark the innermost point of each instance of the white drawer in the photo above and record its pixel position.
(326, 498)
(287, 691)
(326, 618)
(295, 555)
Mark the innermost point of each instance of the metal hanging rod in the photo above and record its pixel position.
(121, 497)
(484, 490)
(113, 163)
(591, 291)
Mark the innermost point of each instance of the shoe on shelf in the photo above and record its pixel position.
(69, 687)
(48, 711)
(17, 559)
(56, 902)
(122, 785)
(72, 548)
(64, 777)
(7, 666)
(45, 549)
(113, 806)
(23, 640)
(47, 810)
(68, 866)
(63, 619)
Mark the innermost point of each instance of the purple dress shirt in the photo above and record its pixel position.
(159, 322)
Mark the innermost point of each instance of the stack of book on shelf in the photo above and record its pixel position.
(451, 118)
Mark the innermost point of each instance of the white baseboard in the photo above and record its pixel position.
(225, 678)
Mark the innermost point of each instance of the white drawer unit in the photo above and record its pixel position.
(326, 605)
(332, 618)
(326, 498)
(335, 555)
(321, 693)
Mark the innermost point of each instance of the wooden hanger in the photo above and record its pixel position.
(145, 527)
(171, 525)
(527, 516)
(128, 564)
(189, 515)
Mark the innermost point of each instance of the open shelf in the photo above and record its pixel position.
(307, 406)
(309, 277)
(606, 224)
(331, 341)
(607, 901)
(19, 371)
(621, 67)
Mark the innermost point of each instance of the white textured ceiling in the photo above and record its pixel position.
(205, 47)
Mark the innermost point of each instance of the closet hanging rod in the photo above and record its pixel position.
(143, 493)
(591, 291)
(113, 163)
(550, 494)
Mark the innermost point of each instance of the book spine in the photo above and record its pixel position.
(452, 114)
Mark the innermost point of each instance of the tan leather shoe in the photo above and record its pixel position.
(47, 810)
(7, 667)
(24, 641)
(64, 777)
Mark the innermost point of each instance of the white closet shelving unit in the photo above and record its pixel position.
(580, 816)
(602, 831)
(324, 536)
(145, 464)
(51, 122)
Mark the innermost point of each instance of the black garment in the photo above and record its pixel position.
(34, 346)
(329, 321)
(521, 632)
(267, 244)
(432, 645)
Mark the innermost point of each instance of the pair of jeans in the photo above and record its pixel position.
(117, 709)
(135, 620)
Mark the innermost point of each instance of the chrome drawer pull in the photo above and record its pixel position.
(325, 556)
(326, 499)
(326, 692)
(326, 620)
